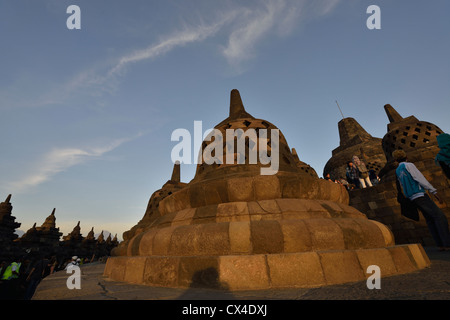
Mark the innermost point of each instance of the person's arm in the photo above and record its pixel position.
(419, 177)
(29, 275)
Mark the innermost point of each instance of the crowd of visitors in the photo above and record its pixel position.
(20, 278)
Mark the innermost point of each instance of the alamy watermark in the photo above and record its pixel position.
(74, 280)
(373, 281)
(260, 147)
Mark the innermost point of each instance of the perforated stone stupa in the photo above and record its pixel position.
(233, 228)
(354, 140)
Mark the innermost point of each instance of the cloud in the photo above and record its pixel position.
(61, 159)
(272, 18)
(254, 26)
(244, 24)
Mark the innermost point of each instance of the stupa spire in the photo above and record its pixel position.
(392, 114)
(237, 109)
(176, 176)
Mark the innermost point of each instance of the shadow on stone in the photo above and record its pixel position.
(203, 281)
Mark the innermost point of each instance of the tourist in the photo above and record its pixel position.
(443, 157)
(363, 174)
(73, 262)
(352, 175)
(414, 185)
(10, 280)
(373, 177)
(35, 276)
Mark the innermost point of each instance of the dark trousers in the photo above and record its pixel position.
(436, 220)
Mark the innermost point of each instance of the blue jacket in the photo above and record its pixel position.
(412, 181)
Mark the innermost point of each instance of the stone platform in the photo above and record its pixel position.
(431, 283)
(266, 271)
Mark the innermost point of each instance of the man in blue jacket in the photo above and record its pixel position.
(414, 186)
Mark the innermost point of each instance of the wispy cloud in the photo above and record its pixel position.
(276, 18)
(61, 159)
(243, 28)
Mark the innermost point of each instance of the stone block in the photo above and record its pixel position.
(146, 243)
(240, 238)
(161, 241)
(266, 237)
(196, 196)
(161, 271)
(205, 214)
(354, 238)
(379, 257)
(296, 236)
(183, 217)
(240, 189)
(266, 187)
(386, 232)
(244, 272)
(269, 206)
(373, 234)
(216, 192)
(183, 240)
(117, 268)
(199, 272)
(341, 267)
(289, 187)
(212, 239)
(232, 211)
(402, 259)
(419, 255)
(325, 234)
(135, 269)
(295, 270)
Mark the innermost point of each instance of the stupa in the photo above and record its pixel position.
(354, 140)
(234, 228)
(8, 226)
(418, 139)
(43, 239)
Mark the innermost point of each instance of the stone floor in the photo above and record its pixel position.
(432, 283)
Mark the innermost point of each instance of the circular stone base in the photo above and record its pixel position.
(263, 271)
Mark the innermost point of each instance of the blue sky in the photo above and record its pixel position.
(87, 115)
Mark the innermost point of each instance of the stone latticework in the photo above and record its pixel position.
(233, 228)
(354, 141)
(418, 140)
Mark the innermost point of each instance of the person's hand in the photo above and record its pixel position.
(438, 198)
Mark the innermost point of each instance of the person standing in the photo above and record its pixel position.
(35, 276)
(351, 174)
(414, 186)
(443, 157)
(363, 173)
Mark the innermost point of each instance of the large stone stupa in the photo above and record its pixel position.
(233, 228)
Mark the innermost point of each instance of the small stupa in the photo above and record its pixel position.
(8, 226)
(234, 228)
(418, 139)
(44, 239)
(354, 141)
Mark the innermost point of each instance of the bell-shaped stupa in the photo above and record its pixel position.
(354, 141)
(245, 222)
(416, 138)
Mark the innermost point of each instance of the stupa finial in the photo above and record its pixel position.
(176, 176)
(237, 109)
(392, 114)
